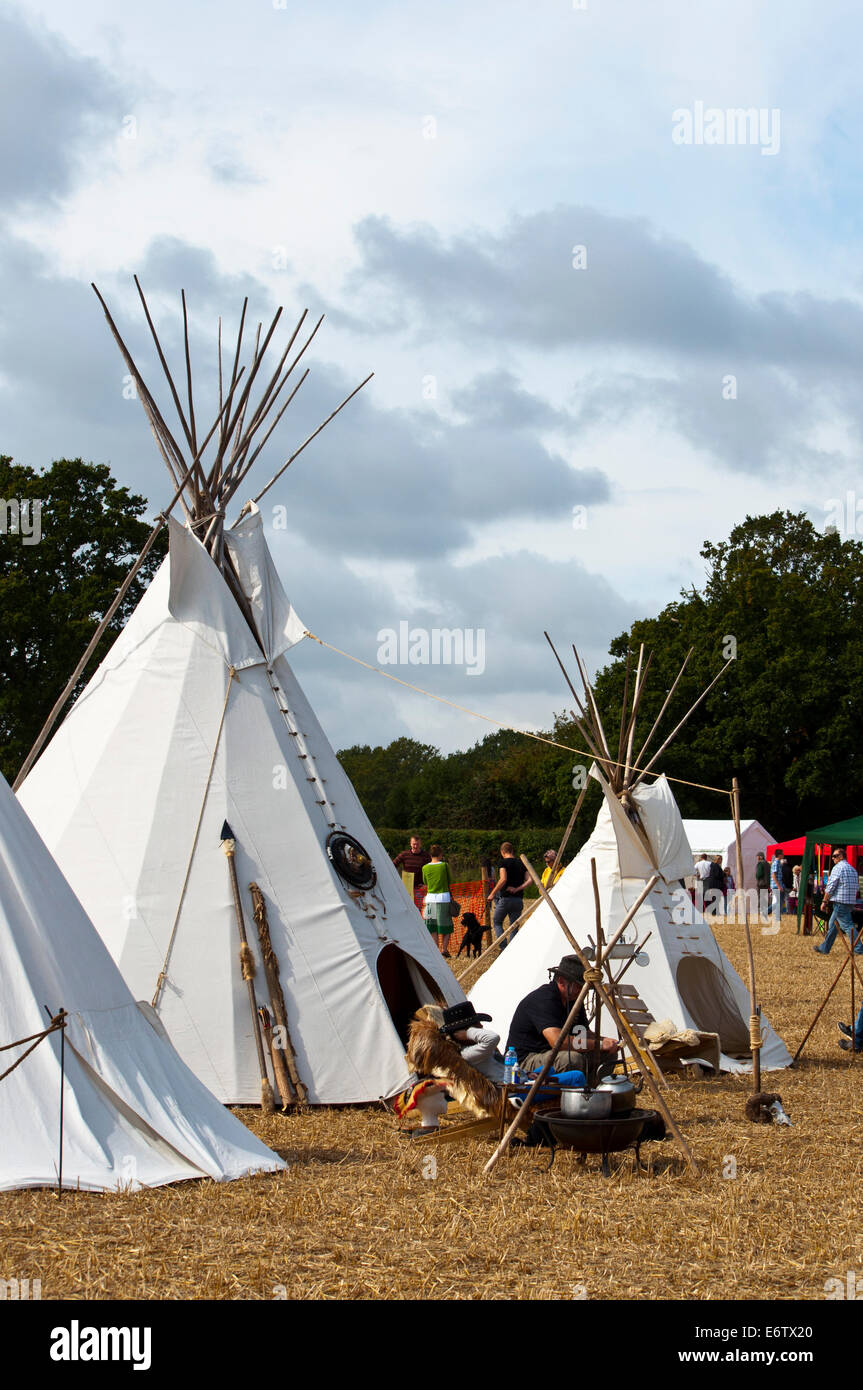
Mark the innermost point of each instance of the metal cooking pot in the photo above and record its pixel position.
(621, 1092)
(584, 1105)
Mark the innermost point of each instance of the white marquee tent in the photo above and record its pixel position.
(682, 973)
(134, 1115)
(717, 837)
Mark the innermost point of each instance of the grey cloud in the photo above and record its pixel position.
(496, 398)
(62, 378)
(228, 169)
(796, 357)
(764, 424)
(408, 483)
(172, 264)
(641, 288)
(511, 599)
(394, 483)
(56, 106)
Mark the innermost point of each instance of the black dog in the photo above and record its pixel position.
(472, 940)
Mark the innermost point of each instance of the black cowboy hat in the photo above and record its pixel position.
(459, 1016)
(570, 968)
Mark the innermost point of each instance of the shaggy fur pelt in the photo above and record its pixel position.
(431, 1054)
(758, 1107)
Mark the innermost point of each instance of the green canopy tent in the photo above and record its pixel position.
(843, 832)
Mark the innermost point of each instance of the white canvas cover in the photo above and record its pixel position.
(684, 975)
(163, 738)
(717, 837)
(135, 1116)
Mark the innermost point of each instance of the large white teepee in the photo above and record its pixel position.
(195, 719)
(682, 973)
(134, 1115)
(190, 720)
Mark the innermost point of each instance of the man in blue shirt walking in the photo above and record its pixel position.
(841, 891)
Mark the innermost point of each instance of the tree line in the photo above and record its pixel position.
(782, 600)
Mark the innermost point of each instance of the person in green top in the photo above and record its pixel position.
(438, 903)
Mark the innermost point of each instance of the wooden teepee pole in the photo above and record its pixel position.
(640, 754)
(583, 720)
(642, 772)
(621, 739)
(247, 966)
(755, 1039)
(570, 826)
(115, 604)
(636, 702)
(306, 442)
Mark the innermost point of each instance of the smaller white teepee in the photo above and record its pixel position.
(682, 974)
(134, 1115)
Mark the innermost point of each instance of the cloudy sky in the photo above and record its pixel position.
(606, 319)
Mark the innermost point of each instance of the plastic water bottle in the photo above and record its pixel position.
(509, 1065)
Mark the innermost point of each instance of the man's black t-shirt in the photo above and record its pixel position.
(716, 878)
(515, 876)
(542, 1008)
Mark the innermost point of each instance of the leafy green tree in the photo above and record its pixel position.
(786, 718)
(55, 587)
(383, 777)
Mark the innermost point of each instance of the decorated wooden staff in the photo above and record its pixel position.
(271, 1045)
(284, 1059)
(247, 966)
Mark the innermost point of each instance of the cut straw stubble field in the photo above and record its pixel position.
(354, 1217)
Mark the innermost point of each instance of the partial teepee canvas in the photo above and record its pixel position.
(681, 974)
(195, 719)
(134, 1115)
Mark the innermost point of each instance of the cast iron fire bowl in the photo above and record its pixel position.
(606, 1136)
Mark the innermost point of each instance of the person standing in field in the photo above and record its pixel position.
(438, 903)
(413, 861)
(509, 890)
(549, 858)
(777, 883)
(762, 884)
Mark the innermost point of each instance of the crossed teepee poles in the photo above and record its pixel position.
(205, 484)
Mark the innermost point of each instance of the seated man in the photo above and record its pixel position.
(538, 1020)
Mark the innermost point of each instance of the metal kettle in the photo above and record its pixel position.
(623, 1092)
